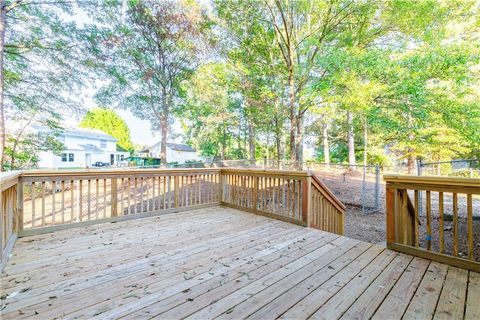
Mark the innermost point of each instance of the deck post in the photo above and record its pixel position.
(19, 212)
(114, 197)
(390, 208)
(306, 195)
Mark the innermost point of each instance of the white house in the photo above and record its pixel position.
(84, 148)
(176, 152)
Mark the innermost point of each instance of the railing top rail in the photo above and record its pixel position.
(271, 172)
(90, 172)
(438, 181)
(10, 175)
(324, 189)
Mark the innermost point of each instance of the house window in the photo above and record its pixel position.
(71, 158)
(103, 143)
(122, 157)
(64, 157)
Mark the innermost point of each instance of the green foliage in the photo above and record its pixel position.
(111, 123)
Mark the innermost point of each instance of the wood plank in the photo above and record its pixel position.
(169, 273)
(312, 302)
(342, 300)
(424, 302)
(316, 272)
(284, 301)
(452, 299)
(397, 300)
(201, 295)
(472, 308)
(223, 305)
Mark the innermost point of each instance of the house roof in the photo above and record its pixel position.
(78, 132)
(172, 146)
(180, 147)
(91, 148)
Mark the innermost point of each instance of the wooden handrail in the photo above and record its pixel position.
(404, 229)
(43, 201)
(326, 191)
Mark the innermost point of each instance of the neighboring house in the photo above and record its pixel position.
(84, 147)
(179, 153)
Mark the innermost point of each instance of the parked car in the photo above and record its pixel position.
(99, 164)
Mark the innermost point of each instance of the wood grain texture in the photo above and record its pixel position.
(222, 262)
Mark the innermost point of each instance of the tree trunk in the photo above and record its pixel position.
(163, 144)
(251, 142)
(223, 148)
(278, 139)
(365, 142)
(351, 139)
(164, 128)
(3, 22)
(299, 142)
(326, 146)
(293, 125)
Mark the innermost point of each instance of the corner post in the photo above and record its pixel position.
(390, 208)
(19, 211)
(306, 203)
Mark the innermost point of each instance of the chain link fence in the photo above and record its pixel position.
(358, 186)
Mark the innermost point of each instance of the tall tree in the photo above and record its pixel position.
(145, 49)
(42, 67)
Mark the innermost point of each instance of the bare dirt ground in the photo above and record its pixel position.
(369, 224)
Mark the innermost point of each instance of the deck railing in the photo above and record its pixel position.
(439, 223)
(10, 214)
(35, 202)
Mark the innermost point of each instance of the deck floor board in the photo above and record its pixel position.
(221, 262)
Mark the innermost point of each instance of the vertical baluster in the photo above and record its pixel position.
(97, 196)
(199, 198)
(141, 194)
(33, 204)
(63, 200)
(105, 198)
(159, 191)
(43, 203)
(294, 198)
(129, 191)
(455, 224)
(154, 199)
(54, 189)
(80, 200)
(470, 226)
(164, 192)
(89, 185)
(122, 187)
(429, 222)
(72, 201)
(417, 202)
(440, 222)
(135, 195)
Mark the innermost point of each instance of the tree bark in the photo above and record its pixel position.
(293, 126)
(3, 22)
(350, 139)
(251, 141)
(365, 141)
(326, 146)
(164, 128)
(299, 141)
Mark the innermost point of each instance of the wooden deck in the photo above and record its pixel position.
(225, 263)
